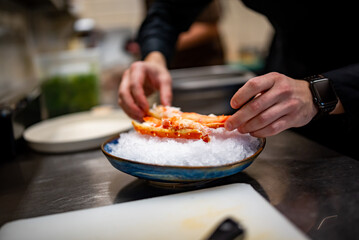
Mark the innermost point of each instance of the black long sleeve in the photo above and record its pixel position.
(165, 20)
(346, 84)
(340, 131)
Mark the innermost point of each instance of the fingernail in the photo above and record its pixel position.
(229, 126)
(234, 104)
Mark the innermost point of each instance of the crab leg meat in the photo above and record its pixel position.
(170, 122)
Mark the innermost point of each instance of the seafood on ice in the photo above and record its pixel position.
(171, 122)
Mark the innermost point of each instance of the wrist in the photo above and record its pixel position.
(339, 109)
(156, 57)
(313, 109)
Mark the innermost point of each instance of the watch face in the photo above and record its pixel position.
(325, 93)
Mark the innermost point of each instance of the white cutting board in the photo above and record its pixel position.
(190, 215)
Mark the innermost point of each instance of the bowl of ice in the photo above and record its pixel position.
(182, 161)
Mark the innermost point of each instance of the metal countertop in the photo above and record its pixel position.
(315, 188)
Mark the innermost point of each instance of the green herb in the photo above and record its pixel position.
(70, 93)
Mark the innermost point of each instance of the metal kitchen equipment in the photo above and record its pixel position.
(207, 90)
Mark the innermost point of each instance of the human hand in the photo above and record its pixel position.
(279, 102)
(142, 79)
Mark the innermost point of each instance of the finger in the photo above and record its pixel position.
(126, 101)
(252, 109)
(137, 79)
(166, 93)
(250, 89)
(134, 114)
(264, 119)
(274, 128)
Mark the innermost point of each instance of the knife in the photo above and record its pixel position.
(228, 230)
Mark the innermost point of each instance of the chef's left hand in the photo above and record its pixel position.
(279, 102)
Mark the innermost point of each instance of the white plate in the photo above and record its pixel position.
(77, 131)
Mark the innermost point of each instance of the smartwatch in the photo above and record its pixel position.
(324, 96)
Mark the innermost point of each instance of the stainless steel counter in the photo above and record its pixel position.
(314, 187)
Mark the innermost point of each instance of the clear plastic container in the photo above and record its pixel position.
(70, 81)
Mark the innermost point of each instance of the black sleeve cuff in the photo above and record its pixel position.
(346, 84)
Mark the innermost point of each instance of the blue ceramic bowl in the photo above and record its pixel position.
(176, 174)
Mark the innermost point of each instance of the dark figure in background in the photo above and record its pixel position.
(311, 38)
(200, 45)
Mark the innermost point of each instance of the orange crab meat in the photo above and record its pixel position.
(164, 112)
(154, 121)
(169, 133)
(170, 122)
(209, 121)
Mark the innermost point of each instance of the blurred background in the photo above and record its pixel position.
(64, 56)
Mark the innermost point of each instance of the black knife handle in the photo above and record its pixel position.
(228, 230)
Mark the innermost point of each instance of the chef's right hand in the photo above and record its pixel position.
(142, 79)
